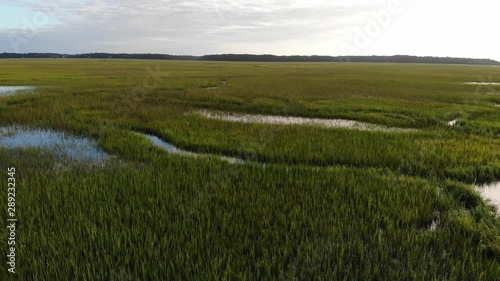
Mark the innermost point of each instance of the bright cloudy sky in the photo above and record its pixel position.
(282, 27)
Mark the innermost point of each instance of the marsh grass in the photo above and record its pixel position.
(330, 203)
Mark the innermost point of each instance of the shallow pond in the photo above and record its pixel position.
(59, 143)
(452, 123)
(12, 90)
(175, 150)
(168, 146)
(491, 192)
(483, 83)
(286, 120)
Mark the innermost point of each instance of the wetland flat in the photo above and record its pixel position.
(350, 170)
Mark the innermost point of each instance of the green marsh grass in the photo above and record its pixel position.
(330, 204)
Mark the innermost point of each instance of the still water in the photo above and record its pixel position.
(175, 150)
(491, 192)
(59, 143)
(12, 90)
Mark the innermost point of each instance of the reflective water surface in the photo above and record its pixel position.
(287, 120)
(491, 192)
(175, 150)
(12, 90)
(59, 143)
(483, 83)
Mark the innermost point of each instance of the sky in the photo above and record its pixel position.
(281, 27)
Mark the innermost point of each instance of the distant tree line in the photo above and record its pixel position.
(262, 58)
(95, 56)
(380, 59)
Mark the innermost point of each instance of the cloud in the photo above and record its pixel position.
(176, 27)
(238, 26)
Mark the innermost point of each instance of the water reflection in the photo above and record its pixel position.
(491, 192)
(483, 83)
(12, 90)
(175, 150)
(59, 143)
(287, 120)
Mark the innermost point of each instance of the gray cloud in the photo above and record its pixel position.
(196, 26)
(247, 26)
